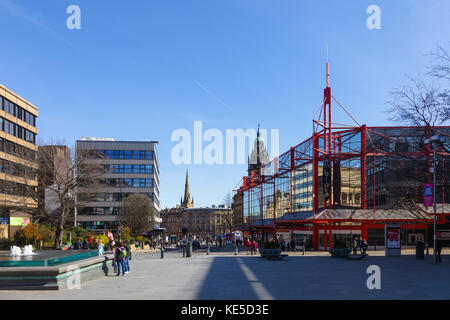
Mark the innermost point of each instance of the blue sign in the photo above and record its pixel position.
(4, 221)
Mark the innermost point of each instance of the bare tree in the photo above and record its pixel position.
(424, 102)
(227, 200)
(138, 213)
(62, 177)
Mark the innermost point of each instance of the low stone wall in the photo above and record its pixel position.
(63, 276)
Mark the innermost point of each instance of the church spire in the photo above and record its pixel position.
(187, 203)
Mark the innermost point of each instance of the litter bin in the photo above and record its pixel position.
(420, 249)
(188, 249)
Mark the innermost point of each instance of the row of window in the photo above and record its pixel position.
(128, 183)
(303, 175)
(17, 111)
(303, 195)
(16, 169)
(17, 131)
(130, 168)
(303, 185)
(18, 189)
(118, 197)
(17, 150)
(127, 154)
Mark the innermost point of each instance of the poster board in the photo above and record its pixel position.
(392, 237)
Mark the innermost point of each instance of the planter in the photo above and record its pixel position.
(339, 253)
(270, 253)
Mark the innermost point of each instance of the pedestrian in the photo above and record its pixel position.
(119, 256)
(283, 245)
(128, 257)
(355, 244)
(252, 246)
(255, 244)
(86, 244)
(288, 246)
(293, 245)
(78, 244)
(438, 250)
(100, 248)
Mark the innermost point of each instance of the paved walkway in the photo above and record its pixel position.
(226, 276)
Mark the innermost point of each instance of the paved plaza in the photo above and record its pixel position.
(222, 275)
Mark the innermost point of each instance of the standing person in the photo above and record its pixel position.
(355, 244)
(293, 245)
(100, 249)
(283, 245)
(438, 250)
(86, 244)
(252, 246)
(128, 257)
(119, 256)
(255, 244)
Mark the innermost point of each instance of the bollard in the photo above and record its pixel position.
(207, 251)
(162, 252)
(184, 252)
(236, 251)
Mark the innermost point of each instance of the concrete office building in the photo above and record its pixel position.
(18, 164)
(131, 167)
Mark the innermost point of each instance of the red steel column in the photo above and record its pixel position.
(363, 169)
(315, 172)
(315, 236)
(325, 236)
(331, 235)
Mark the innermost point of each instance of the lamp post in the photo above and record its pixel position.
(434, 140)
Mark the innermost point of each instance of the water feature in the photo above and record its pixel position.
(27, 258)
(17, 252)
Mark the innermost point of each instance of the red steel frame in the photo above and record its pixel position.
(333, 137)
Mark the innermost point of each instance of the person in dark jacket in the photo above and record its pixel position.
(128, 257)
(86, 244)
(438, 250)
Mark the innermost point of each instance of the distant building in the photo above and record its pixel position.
(131, 167)
(18, 164)
(201, 222)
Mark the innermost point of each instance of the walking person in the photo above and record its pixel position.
(128, 257)
(252, 246)
(355, 244)
(293, 245)
(255, 246)
(438, 250)
(119, 256)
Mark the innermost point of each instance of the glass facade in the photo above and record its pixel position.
(127, 154)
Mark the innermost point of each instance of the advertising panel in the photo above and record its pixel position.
(19, 221)
(392, 240)
(428, 195)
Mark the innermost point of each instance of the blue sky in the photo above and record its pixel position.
(133, 70)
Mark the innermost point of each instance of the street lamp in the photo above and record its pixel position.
(434, 140)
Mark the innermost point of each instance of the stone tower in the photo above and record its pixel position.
(187, 202)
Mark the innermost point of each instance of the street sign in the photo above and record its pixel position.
(120, 231)
(4, 221)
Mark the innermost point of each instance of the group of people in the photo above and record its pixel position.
(122, 257)
(251, 245)
(361, 243)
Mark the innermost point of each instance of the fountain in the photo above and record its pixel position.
(17, 252)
